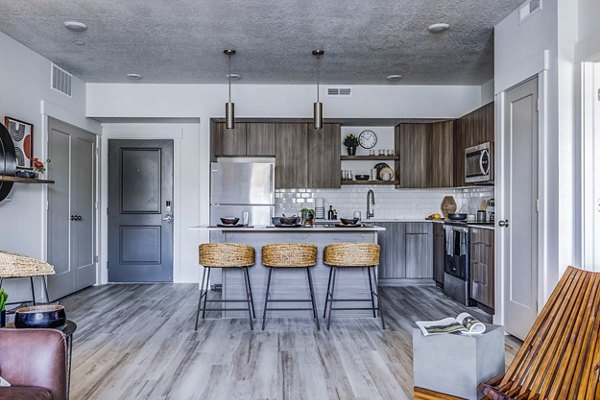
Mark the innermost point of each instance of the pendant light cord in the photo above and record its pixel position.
(229, 75)
(318, 77)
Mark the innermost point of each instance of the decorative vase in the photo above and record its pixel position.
(351, 151)
(2, 318)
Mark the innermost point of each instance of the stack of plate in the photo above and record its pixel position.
(319, 208)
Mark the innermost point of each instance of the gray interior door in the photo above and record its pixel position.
(140, 211)
(71, 208)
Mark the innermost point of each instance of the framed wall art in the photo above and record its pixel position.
(21, 133)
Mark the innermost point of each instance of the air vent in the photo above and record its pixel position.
(528, 8)
(61, 80)
(339, 91)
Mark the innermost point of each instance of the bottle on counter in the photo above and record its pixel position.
(334, 214)
(330, 213)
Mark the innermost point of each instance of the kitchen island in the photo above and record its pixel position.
(351, 283)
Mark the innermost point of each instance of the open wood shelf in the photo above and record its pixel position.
(18, 179)
(348, 182)
(369, 158)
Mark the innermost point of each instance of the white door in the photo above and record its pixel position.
(519, 220)
(71, 208)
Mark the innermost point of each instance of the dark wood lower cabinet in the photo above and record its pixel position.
(439, 247)
(406, 249)
(482, 267)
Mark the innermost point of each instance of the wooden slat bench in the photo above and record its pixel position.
(560, 357)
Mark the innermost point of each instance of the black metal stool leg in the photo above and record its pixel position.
(331, 299)
(247, 274)
(206, 293)
(371, 292)
(248, 297)
(312, 298)
(46, 289)
(379, 307)
(32, 290)
(200, 299)
(327, 293)
(266, 299)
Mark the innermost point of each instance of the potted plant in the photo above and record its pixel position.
(308, 216)
(3, 297)
(351, 142)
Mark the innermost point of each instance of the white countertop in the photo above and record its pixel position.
(316, 228)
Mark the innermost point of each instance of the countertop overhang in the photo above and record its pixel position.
(316, 228)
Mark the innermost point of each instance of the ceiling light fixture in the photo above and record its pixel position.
(394, 77)
(438, 28)
(229, 106)
(134, 77)
(79, 42)
(75, 26)
(234, 77)
(318, 106)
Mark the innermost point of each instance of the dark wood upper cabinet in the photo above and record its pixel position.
(442, 154)
(470, 130)
(291, 156)
(228, 142)
(260, 139)
(413, 148)
(324, 161)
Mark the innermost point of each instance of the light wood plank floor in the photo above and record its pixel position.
(138, 342)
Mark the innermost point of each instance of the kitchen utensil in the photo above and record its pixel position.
(448, 205)
(362, 177)
(457, 216)
(46, 316)
(349, 221)
(386, 174)
(481, 215)
(374, 174)
(293, 220)
(348, 225)
(231, 226)
(379, 167)
(229, 220)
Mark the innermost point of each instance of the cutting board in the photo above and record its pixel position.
(448, 206)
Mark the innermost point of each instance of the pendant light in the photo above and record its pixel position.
(229, 106)
(318, 106)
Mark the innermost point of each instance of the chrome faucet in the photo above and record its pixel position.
(370, 201)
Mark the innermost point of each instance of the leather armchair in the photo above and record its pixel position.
(34, 362)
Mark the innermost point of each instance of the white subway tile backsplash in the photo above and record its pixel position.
(390, 203)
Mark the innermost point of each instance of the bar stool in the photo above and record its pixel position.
(352, 255)
(230, 256)
(14, 266)
(290, 256)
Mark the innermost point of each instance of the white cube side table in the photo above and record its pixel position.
(455, 364)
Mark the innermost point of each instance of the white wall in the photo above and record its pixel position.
(131, 101)
(543, 45)
(25, 94)
(588, 45)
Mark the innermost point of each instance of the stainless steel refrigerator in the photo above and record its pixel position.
(242, 184)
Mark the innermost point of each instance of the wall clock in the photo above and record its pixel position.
(367, 139)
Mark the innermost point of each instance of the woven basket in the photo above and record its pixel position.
(224, 255)
(16, 266)
(351, 254)
(289, 255)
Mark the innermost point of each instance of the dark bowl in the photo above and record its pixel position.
(229, 220)
(457, 216)
(289, 220)
(349, 221)
(362, 177)
(48, 316)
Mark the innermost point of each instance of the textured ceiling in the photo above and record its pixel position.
(181, 41)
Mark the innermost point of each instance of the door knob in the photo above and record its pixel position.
(72, 218)
(503, 224)
(168, 218)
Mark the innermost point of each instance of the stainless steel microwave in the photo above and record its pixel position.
(479, 165)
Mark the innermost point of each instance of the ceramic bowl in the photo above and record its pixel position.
(47, 316)
(229, 220)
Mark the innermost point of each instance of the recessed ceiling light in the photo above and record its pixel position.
(79, 42)
(393, 78)
(234, 77)
(75, 26)
(134, 77)
(438, 28)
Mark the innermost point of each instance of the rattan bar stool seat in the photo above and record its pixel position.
(226, 255)
(351, 254)
(289, 255)
(235, 256)
(292, 256)
(17, 266)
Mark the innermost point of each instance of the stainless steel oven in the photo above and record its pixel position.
(479, 165)
(456, 262)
